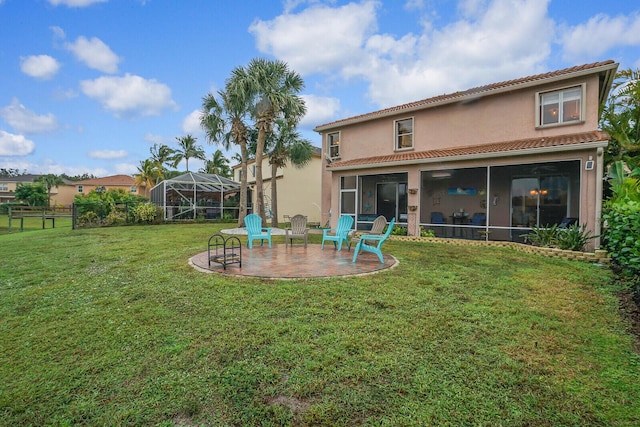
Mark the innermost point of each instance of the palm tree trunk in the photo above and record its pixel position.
(259, 186)
(242, 211)
(274, 196)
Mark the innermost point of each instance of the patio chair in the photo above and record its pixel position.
(368, 243)
(340, 234)
(438, 218)
(255, 231)
(298, 230)
(478, 219)
(376, 228)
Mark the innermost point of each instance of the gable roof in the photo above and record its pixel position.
(607, 70)
(123, 180)
(576, 141)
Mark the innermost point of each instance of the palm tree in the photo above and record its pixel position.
(286, 145)
(149, 174)
(224, 123)
(188, 150)
(218, 164)
(162, 155)
(271, 88)
(50, 180)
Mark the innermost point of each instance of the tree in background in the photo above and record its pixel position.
(188, 150)
(621, 119)
(149, 173)
(223, 121)
(285, 145)
(271, 91)
(50, 180)
(31, 194)
(218, 165)
(162, 155)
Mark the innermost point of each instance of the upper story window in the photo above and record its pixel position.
(561, 106)
(404, 134)
(333, 142)
(133, 189)
(79, 188)
(4, 187)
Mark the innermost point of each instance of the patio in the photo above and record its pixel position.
(296, 261)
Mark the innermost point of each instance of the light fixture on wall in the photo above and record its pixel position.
(588, 165)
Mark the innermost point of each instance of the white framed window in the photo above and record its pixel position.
(403, 133)
(4, 187)
(79, 188)
(560, 106)
(133, 189)
(333, 143)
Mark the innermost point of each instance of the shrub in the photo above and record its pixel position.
(145, 212)
(115, 217)
(573, 238)
(426, 233)
(88, 219)
(620, 236)
(399, 230)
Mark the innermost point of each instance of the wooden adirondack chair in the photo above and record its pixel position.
(298, 230)
(255, 231)
(340, 234)
(363, 244)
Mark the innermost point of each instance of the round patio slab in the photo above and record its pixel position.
(296, 261)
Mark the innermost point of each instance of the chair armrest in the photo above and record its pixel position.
(327, 231)
(371, 237)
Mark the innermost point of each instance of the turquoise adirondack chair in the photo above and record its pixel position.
(372, 246)
(340, 234)
(255, 231)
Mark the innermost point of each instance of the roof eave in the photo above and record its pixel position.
(480, 156)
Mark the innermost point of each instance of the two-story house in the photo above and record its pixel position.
(490, 162)
(299, 189)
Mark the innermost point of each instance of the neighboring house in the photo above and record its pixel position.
(8, 186)
(518, 154)
(299, 189)
(113, 182)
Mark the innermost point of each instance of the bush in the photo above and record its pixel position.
(145, 212)
(620, 236)
(426, 233)
(573, 238)
(398, 230)
(88, 219)
(115, 217)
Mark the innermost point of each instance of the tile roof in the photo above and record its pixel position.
(109, 180)
(470, 93)
(508, 147)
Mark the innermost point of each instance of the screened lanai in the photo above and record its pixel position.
(197, 196)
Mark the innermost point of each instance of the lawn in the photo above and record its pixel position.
(112, 326)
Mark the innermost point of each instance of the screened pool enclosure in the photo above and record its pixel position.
(197, 196)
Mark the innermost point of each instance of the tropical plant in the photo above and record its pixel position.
(620, 237)
(272, 91)
(621, 119)
(224, 123)
(572, 238)
(285, 145)
(50, 180)
(188, 150)
(543, 236)
(32, 194)
(624, 183)
(149, 173)
(218, 165)
(145, 212)
(162, 155)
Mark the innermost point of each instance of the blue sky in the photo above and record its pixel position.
(88, 86)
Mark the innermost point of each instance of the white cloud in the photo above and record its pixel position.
(95, 54)
(154, 139)
(598, 35)
(320, 110)
(39, 66)
(129, 96)
(491, 42)
(126, 169)
(333, 36)
(75, 3)
(191, 123)
(108, 154)
(15, 145)
(26, 121)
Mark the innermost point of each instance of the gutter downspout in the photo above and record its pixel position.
(599, 185)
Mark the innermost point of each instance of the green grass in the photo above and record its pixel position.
(111, 326)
